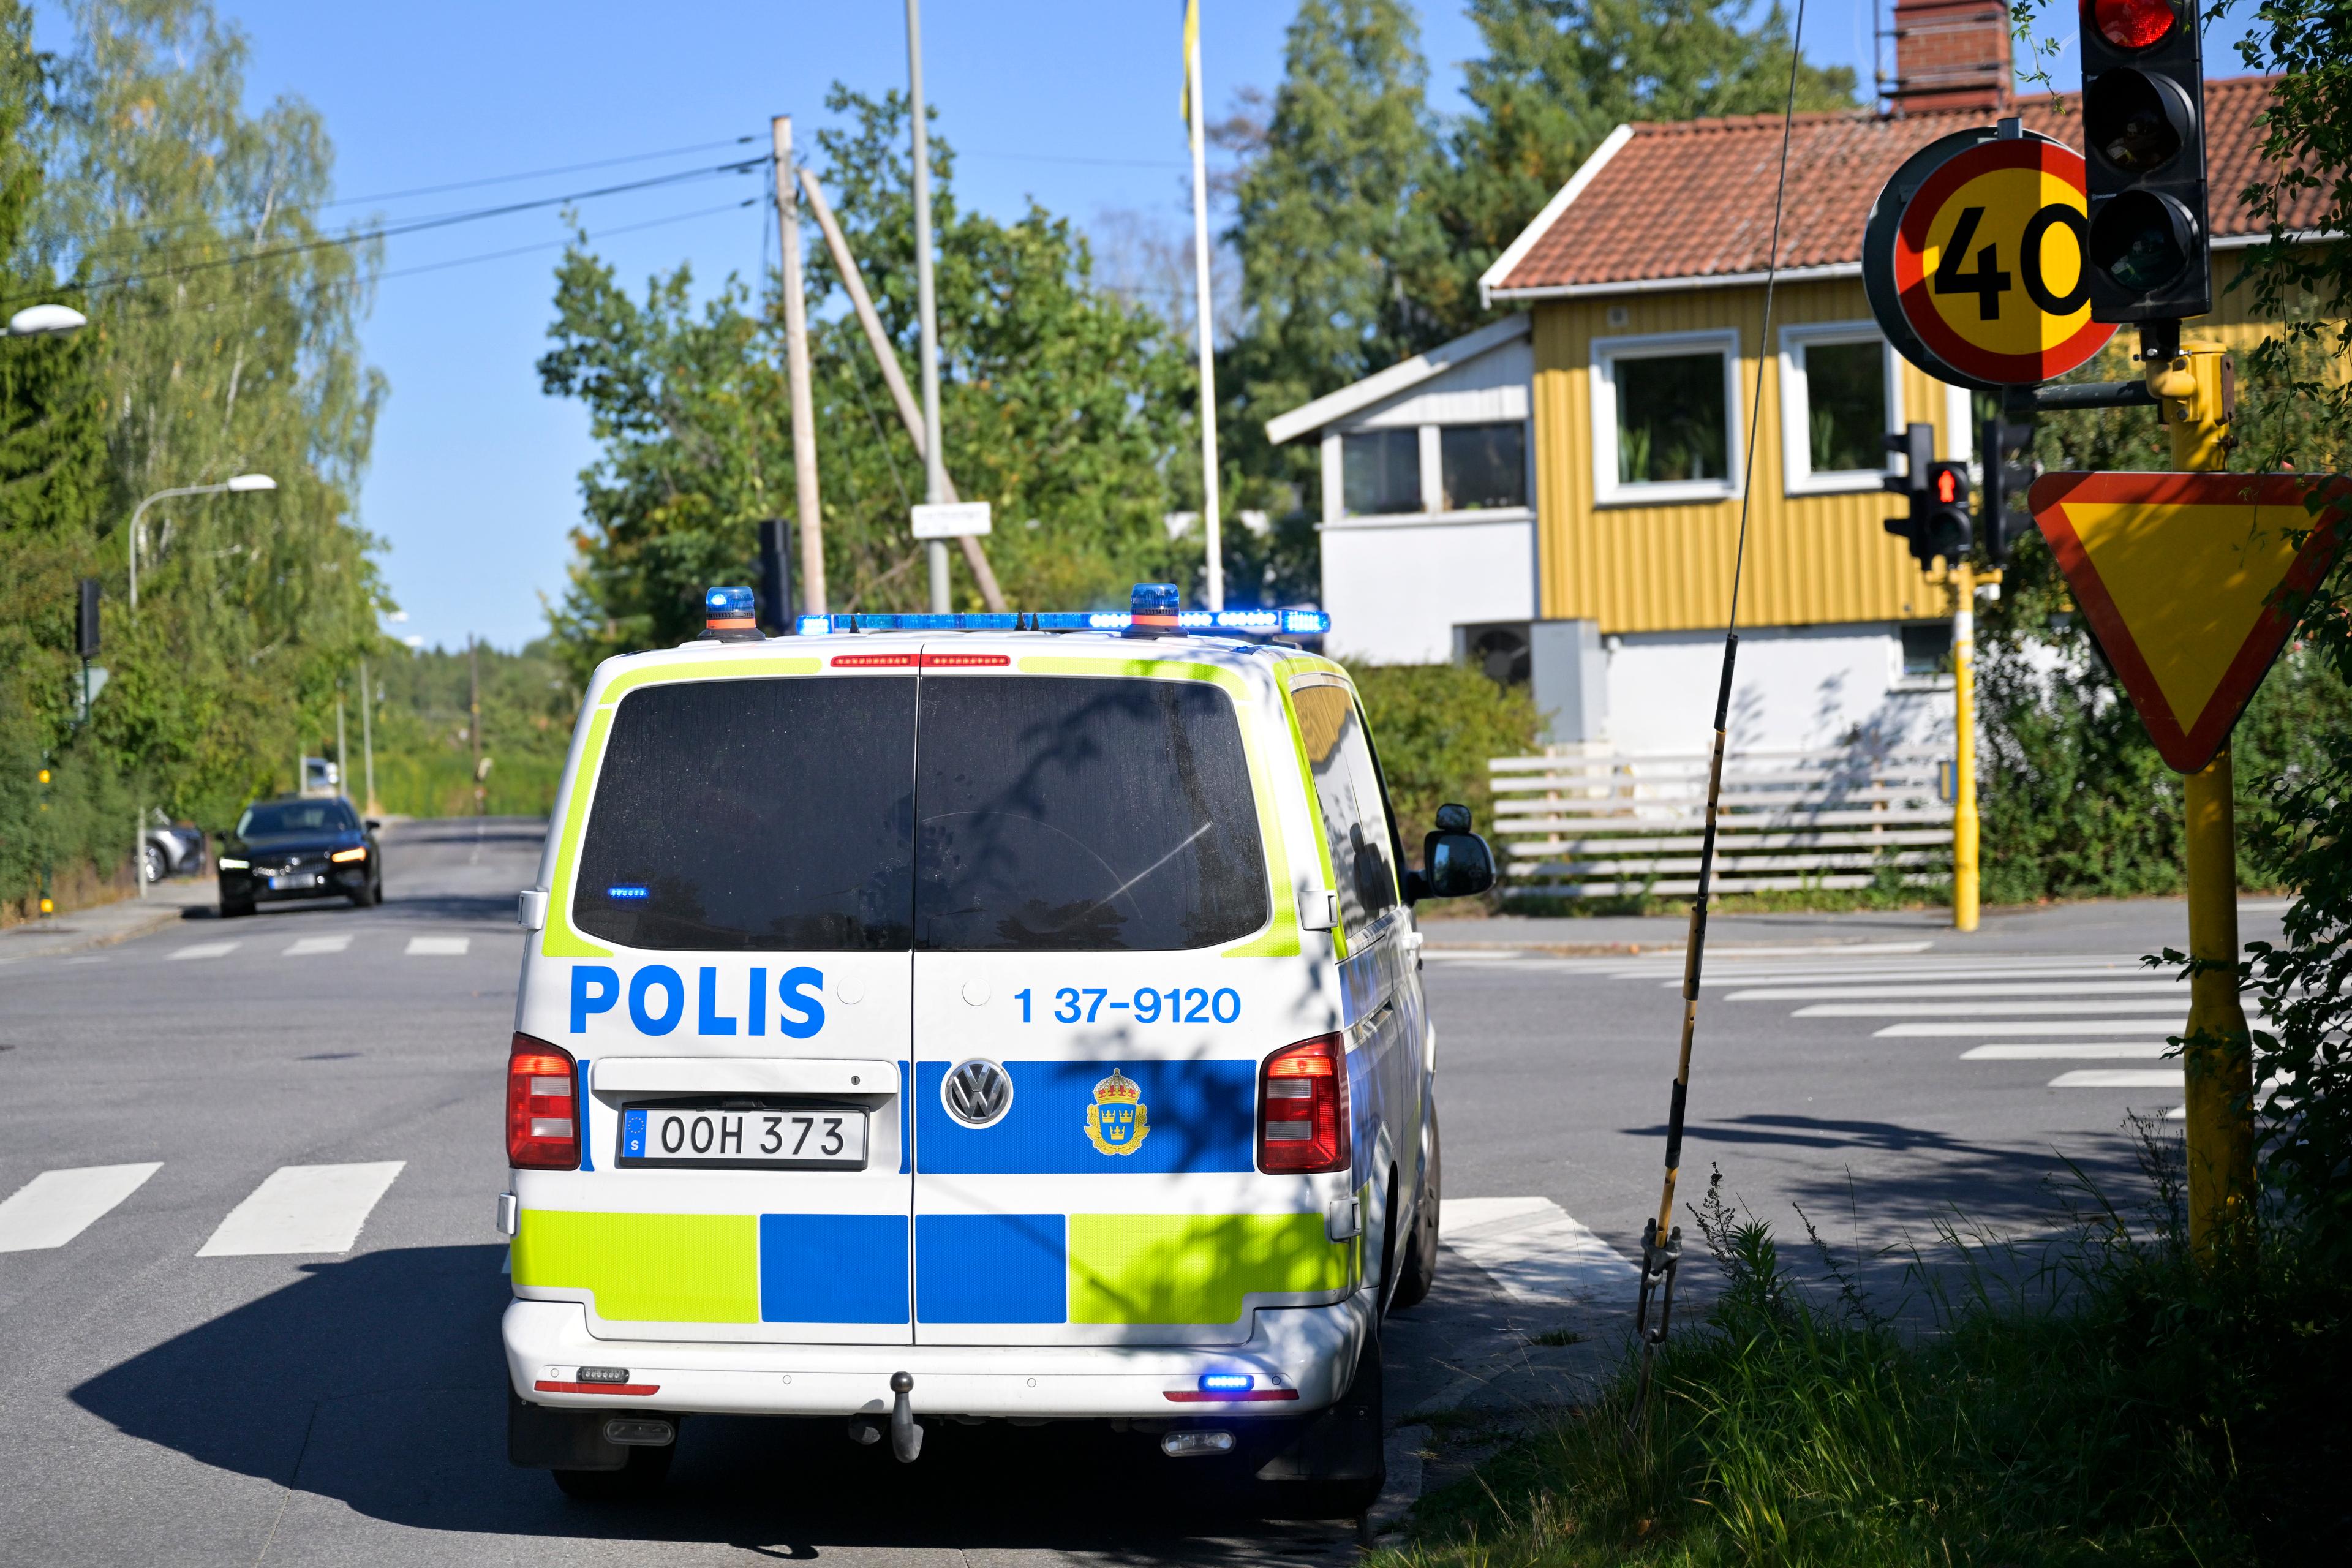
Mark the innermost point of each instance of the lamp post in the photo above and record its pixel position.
(238, 484)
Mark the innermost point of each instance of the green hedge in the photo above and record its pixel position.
(1436, 726)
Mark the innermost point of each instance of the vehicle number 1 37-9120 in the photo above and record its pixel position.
(1177, 1005)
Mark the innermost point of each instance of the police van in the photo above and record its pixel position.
(975, 1017)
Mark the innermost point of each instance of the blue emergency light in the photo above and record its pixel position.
(1227, 1383)
(729, 615)
(1153, 610)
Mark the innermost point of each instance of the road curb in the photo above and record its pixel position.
(104, 925)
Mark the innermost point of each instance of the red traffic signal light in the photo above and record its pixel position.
(2133, 23)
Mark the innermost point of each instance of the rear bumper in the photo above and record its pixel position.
(1308, 1350)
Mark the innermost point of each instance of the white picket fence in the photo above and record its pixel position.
(1588, 827)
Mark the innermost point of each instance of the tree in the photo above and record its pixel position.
(1332, 224)
(1061, 405)
(1558, 76)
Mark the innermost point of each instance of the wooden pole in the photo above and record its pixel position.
(852, 278)
(473, 716)
(796, 371)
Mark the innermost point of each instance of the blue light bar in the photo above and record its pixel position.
(628, 892)
(956, 623)
(1257, 623)
(1227, 1383)
(818, 625)
(1082, 620)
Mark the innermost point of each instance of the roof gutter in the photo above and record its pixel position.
(1490, 280)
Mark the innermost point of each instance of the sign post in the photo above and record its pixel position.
(2189, 579)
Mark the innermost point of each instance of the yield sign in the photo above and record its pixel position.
(2188, 580)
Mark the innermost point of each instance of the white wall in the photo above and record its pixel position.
(1796, 687)
(1397, 588)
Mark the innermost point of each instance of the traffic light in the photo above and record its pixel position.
(2144, 119)
(86, 620)
(2009, 470)
(1938, 495)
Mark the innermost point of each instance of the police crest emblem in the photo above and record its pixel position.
(1117, 1121)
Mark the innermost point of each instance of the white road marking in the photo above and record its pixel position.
(206, 949)
(308, 946)
(2118, 1078)
(2104, 1051)
(437, 946)
(1929, 993)
(2175, 1003)
(303, 1208)
(2028, 1026)
(58, 1205)
(1535, 1251)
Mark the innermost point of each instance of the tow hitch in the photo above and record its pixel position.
(906, 1437)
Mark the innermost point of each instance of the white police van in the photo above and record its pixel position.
(975, 1016)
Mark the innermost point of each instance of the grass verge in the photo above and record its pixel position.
(2108, 1403)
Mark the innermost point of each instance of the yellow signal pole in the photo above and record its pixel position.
(2218, 1067)
(1964, 745)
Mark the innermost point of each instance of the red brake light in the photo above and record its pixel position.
(2133, 23)
(542, 1107)
(1302, 1108)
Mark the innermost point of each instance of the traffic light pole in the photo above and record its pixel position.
(2190, 387)
(1964, 747)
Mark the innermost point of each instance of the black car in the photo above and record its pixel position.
(299, 847)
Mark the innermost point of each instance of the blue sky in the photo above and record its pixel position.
(474, 485)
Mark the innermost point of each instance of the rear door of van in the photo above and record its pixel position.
(1106, 948)
(726, 956)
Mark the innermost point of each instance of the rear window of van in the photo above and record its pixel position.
(955, 814)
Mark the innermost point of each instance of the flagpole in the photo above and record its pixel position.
(1209, 514)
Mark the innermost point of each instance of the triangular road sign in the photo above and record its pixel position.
(2189, 580)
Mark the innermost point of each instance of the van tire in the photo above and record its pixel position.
(638, 1479)
(1420, 1248)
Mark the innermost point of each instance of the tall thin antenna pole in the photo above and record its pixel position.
(1661, 1238)
(1202, 306)
(935, 471)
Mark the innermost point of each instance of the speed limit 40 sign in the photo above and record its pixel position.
(1975, 252)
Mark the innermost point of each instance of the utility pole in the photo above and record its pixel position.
(935, 471)
(852, 278)
(367, 739)
(796, 370)
(342, 767)
(474, 715)
(1201, 305)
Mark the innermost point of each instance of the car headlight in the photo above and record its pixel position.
(229, 864)
(343, 856)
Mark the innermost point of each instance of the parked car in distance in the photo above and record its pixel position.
(295, 847)
(172, 850)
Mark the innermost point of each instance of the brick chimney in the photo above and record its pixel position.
(1950, 53)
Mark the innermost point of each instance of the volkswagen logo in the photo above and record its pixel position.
(977, 1093)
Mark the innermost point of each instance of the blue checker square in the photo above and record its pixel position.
(991, 1268)
(833, 1268)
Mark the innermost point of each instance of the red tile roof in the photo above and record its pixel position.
(1693, 198)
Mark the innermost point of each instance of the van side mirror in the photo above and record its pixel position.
(374, 823)
(1455, 862)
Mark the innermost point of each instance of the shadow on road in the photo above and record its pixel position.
(377, 1382)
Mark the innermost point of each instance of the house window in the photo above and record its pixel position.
(1380, 471)
(1926, 649)
(1483, 466)
(1839, 398)
(1664, 411)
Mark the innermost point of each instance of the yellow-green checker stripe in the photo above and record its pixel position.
(1196, 1268)
(647, 1268)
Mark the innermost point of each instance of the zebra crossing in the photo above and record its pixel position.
(2064, 1011)
(307, 1209)
(322, 946)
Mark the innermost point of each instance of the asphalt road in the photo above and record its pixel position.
(338, 1398)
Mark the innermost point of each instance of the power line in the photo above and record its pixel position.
(395, 230)
(536, 174)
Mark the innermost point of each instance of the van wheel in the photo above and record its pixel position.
(635, 1481)
(1420, 1249)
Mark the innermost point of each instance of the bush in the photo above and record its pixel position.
(1436, 726)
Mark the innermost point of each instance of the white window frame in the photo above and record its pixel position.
(1607, 489)
(1798, 478)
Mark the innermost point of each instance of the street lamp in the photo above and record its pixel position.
(236, 484)
(45, 321)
